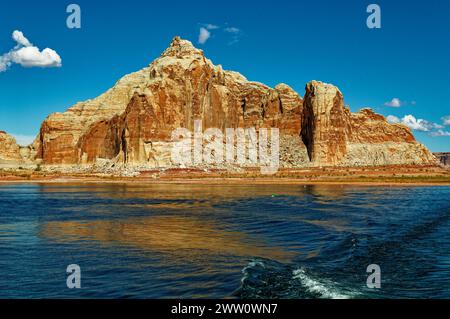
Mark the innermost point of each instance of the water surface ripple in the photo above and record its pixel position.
(234, 241)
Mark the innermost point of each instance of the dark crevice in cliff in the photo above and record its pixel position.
(280, 104)
(244, 105)
(307, 132)
(244, 108)
(124, 145)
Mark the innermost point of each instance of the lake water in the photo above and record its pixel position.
(212, 241)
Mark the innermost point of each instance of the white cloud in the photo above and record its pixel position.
(439, 133)
(20, 39)
(235, 33)
(395, 102)
(204, 35)
(446, 120)
(232, 30)
(32, 57)
(417, 124)
(27, 55)
(5, 62)
(210, 26)
(23, 140)
(206, 32)
(421, 125)
(393, 119)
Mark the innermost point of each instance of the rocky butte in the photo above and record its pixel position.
(131, 124)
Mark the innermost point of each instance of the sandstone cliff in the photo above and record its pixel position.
(132, 122)
(14, 154)
(335, 136)
(9, 150)
(141, 111)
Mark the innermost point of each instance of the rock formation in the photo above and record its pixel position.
(132, 122)
(335, 136)
(9, 150)
(145, 107)
(443, 158)
(13, 154)
(325, 124)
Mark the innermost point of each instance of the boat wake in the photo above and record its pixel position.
(268, 279)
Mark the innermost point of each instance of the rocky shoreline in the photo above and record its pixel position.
(383, 175)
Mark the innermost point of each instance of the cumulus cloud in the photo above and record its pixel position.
(395, 102)
(416, 124)
(204, 35)
(446, 120)
(32, 57)
(20, 39)
(28, 55)
(439, 133)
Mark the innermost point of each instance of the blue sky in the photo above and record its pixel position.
(268, 41)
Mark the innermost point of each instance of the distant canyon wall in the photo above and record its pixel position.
(443, 158)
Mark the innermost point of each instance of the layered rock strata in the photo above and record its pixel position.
(132, 123)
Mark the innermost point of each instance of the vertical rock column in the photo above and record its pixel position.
(325, 124)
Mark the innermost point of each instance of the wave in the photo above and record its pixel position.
(268, 279)
(321, 288)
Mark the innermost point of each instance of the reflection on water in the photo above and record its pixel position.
(206, 241)
(177, 235)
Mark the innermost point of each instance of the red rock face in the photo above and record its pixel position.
(125, 135)
(184, 86)
(368, 127)
(57, 150)
(133, 121)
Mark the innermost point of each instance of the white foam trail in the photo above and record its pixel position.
(314, 286)
(250, 265)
